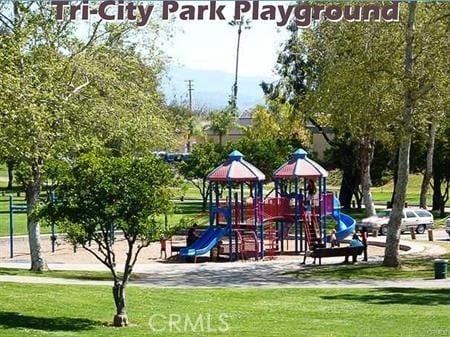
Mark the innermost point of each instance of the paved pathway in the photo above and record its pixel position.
(272, 273)
(231, 275)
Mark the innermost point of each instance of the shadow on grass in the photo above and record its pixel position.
(188, 207)
(407, 296)
(412, 268)
(14, 320)
(363, 271)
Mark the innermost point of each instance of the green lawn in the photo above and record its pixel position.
(412, 267)
(20, 219)
(187, 208)
(78, 275)
(43, 310)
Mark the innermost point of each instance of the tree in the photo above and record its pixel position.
(358, 74)
(418, 79)
(296, 75)
(99, 195)
(204, 158)
(352, 93)
(441, 173)
(222, 121)
(391, 255)
(267, 154)
(276, 121)
(343, 154)
(187, 123)
(62, 96)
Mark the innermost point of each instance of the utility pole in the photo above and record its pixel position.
(190, 89)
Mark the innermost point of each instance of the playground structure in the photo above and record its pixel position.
(21, 208)
(254, 225)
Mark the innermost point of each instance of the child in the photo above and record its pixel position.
(311, 189)
(163, 241)
(355, 241)
(333, 239)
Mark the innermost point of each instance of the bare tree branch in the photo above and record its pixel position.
(77, 89)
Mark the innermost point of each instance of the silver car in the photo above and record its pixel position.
(418, 219)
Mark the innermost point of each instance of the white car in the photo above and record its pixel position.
(419, 219)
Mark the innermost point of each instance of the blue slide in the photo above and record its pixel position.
(205, 243)
(346, 224)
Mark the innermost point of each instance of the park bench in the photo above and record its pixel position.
(332, 252)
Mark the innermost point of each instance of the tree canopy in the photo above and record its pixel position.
(63, 95)
(98, 196)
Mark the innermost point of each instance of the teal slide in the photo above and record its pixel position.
(205, 243)
(346, 224)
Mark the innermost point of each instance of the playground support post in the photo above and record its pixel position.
(304, 210)
(11, 228)
(53, 237)
(260, 197)
(297, 213)
(53, 227)
(230, 231)
(12, 208)
(242, 203)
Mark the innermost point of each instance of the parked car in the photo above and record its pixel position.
(419, 219)
(447, 228)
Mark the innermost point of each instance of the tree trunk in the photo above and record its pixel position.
(429, 165)
(437, 191)
(188, 144)
(10, 165)
(366, 150)
(439, 198)
(349, 185)
(33, 190)
(358, 197)
(444, 199)
(394, 178)
(345, 194)
(220, 138)
(391, 255)
(120, 318)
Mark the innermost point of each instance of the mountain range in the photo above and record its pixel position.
(211, 88)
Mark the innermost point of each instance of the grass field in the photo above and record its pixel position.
(188, 208)
(41, 310)
(412, 267)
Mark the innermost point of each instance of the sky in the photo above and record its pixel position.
(211, 45)
(205, 51)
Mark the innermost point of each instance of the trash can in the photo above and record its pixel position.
(440, 269)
